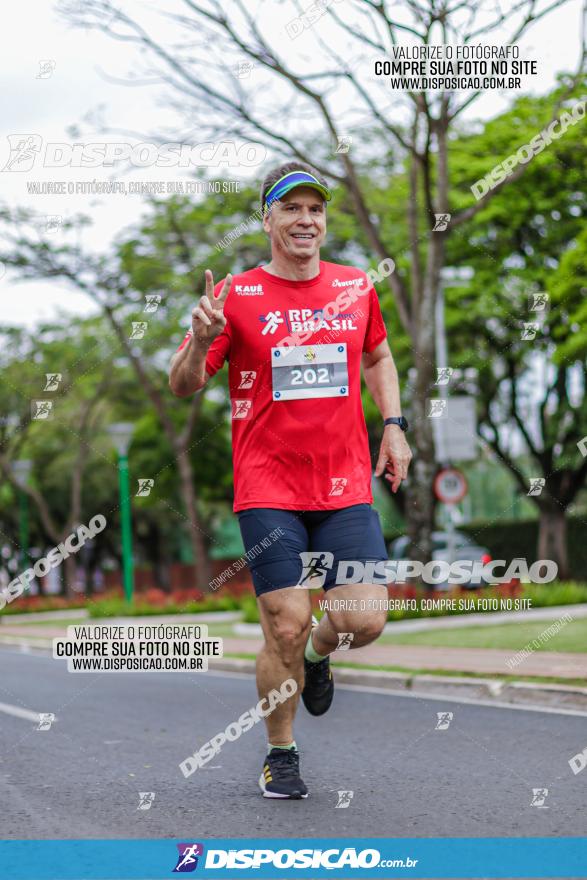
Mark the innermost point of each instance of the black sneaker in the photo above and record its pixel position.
(281, 775)
(318, 687)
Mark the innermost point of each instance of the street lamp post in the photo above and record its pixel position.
(121, 434)
(22, 470)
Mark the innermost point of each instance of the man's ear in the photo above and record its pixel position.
(266, 224)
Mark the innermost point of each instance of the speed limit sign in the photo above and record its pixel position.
(450, 486)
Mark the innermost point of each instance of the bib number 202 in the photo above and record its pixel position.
(309, 376)
(310, 371)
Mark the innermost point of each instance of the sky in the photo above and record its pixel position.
(56, 76)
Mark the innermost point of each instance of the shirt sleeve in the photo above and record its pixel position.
(376, 332)
(218, 352)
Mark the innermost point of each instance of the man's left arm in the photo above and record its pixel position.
(382, 381)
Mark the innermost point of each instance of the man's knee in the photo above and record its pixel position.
(289, 634)
(364, 627)
(373, 626)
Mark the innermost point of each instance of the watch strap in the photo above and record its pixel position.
(397, 420)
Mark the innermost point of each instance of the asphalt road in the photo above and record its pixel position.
(120, 734)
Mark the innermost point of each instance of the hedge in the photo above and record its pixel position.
(519, 538)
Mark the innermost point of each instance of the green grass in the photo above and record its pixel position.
(250, 609)
(223, 631)
(557, 593)
(539, 595)
(119, 608)
(509, 636)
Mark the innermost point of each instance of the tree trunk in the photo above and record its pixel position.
(420, 508)
(420, 500)
(202, 568)
(552, 538)
(40, 585)
(153, 551)
(70, 577)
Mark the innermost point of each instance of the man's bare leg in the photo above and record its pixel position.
(285, 618)
(364, 625)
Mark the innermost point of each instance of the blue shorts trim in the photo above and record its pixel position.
(275, 538)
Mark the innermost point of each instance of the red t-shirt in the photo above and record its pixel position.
(294, 353)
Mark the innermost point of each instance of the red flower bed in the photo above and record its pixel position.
(45, 603)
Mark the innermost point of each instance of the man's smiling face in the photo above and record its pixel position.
(296, 224)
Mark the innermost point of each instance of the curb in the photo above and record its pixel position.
(489, 690)
(27, 643)
(557, 696)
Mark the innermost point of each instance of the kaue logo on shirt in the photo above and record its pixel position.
(249, 289)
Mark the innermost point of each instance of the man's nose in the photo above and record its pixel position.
(306, 219)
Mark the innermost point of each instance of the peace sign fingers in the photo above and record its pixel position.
(208, 319)
(209, 284)
(218, 301)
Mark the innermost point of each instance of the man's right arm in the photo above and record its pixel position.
(188, 366)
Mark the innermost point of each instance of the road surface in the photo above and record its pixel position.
(116, 735)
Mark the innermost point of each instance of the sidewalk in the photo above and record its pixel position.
(480, 660)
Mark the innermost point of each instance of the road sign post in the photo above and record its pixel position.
(450, 487)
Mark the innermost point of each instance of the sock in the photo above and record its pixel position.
(311, 654)
(291, 746)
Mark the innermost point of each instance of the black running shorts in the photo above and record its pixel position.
(288, 548)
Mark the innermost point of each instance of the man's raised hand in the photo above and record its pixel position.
(208, 319)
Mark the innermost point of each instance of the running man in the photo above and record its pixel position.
(303, 328)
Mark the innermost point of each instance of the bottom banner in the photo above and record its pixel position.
(286, 858)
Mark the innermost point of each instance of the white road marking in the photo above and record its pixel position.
(491, 704)
(19, 712)
(388, 692)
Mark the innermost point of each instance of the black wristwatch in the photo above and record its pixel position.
(398, 420)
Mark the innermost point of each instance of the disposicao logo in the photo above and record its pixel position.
(187, 860)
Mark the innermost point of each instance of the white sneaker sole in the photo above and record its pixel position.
(274, 794)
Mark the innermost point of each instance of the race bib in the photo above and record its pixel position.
(309, 371)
